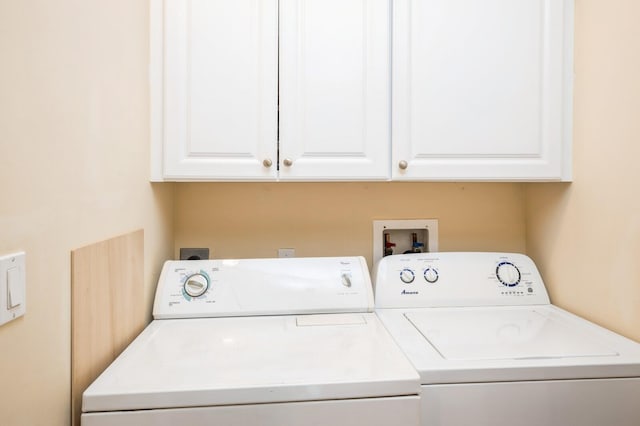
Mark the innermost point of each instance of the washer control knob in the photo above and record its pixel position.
(508, 274)
(407, 276)
(431, 275)
(196, 284)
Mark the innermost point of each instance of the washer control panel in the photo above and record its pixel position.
(211, 288)
(458, 279)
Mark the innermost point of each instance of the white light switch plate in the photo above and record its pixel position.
(13, 292)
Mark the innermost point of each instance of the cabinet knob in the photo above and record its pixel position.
(403, 165)
(267, 162)
(287, 162)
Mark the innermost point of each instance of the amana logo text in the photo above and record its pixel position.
(408, 292)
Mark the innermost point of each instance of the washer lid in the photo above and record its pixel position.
(246, 360)
(518, 333)
(499, 344)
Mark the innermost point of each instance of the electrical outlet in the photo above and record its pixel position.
(194, 253)
(287, 252)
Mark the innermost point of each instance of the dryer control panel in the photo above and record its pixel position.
(243, 287)
(451, 279)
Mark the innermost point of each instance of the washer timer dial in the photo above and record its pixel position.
(508, 274)
(196, 284)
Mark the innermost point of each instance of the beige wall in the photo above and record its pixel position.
(73, 170)
(74, 150)
(586, 236)
(322, 219)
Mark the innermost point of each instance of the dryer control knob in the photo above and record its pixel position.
(196, 284)
(346, 280)
(407, 276)
(508, 274)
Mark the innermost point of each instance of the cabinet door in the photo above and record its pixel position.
(334, 89)
(482, 89)
(220, 89)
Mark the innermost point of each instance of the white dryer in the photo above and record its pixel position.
(259, 342)
(491, 349)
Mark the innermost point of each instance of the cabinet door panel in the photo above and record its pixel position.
(480, 89)
(220, 89)
(334, 89)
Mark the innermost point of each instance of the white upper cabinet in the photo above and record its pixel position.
(219, 89)
(482, 89)
(322, 90)
(334, 89)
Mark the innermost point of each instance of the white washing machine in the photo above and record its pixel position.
(491, 349)
(259, 342)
